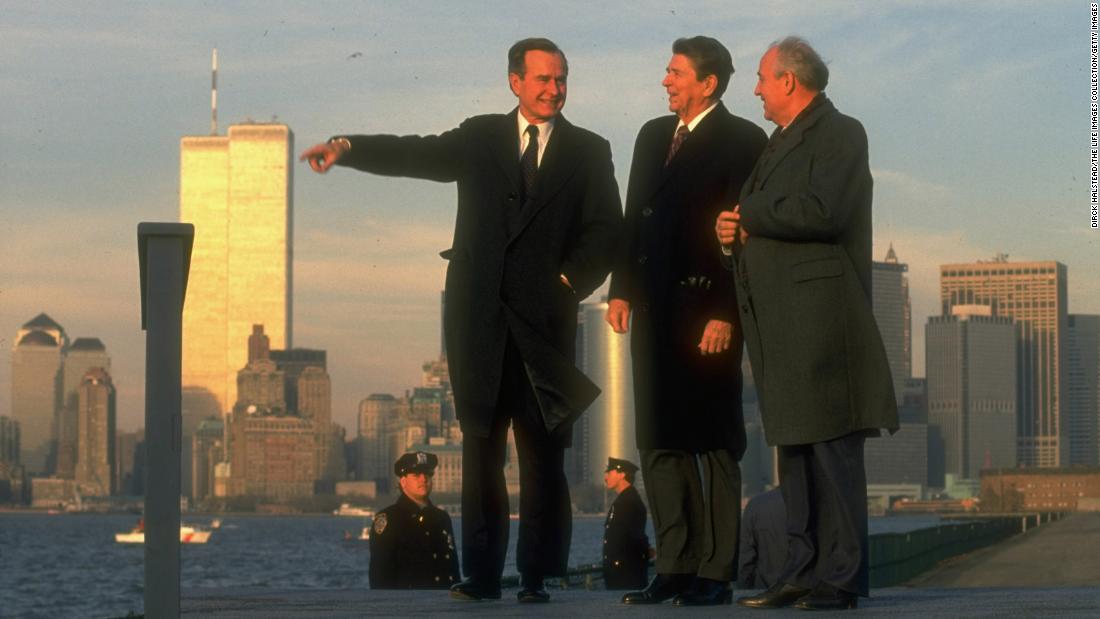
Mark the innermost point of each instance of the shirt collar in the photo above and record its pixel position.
(545, 128)
(699, 117)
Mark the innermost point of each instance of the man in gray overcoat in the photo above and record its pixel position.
(800, 245)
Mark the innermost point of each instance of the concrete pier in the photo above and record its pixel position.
(1052, 570)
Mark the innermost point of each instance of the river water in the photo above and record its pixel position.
(70, 566)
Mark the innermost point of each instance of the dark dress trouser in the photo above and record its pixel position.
(824, 488)
(545, 511)
(695, 518)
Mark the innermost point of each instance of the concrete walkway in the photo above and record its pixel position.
(1064, 553)
(1050, 571)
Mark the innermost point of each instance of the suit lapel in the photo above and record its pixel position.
(797, 132)
(694, 148)
(504, 143)
(559, 162)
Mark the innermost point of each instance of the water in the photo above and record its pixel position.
(70, 566)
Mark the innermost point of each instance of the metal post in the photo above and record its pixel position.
(164, 253)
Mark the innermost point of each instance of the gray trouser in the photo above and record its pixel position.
(696, 518)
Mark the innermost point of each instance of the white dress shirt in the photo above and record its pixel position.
(545, 129)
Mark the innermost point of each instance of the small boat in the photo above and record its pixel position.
(188, 535)
(364, 535)
(347, 509)
(216, 523)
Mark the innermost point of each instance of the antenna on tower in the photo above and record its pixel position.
(214, 93)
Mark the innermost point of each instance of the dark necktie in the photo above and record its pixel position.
(529, 162)
(677, 141)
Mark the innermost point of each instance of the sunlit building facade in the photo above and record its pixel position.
(237, 190)
(36, 390)
(606, 429)
(96, 419)
(1034, 294)
(85, 353)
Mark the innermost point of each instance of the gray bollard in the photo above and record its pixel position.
(164, 253)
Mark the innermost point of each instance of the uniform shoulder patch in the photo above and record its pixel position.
(380, 523)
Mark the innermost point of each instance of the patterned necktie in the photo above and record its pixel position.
(677, 141)
(529, 163)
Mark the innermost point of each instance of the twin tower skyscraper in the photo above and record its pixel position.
(237, 190)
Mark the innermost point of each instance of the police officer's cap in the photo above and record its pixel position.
(415, 462)
(620, 465)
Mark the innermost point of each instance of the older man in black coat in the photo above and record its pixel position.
(686, 342)
(801, 237)
(538, 215)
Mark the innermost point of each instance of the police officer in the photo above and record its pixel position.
(412, 543)
(625, 545)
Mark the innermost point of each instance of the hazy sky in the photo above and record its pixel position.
(977, 115)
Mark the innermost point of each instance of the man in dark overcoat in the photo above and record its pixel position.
(412, 544)
(538, 217)
(801, 241)
(625, 543)
(669, 285)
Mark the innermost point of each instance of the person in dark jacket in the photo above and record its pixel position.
(763, 547)
(412, 544)
(669, 290)
(538, 219)
(625, 544)
(799, 244)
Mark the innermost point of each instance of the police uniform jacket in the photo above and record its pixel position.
(625, 544)
(412, 548)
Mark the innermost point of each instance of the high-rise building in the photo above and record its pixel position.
(95, 462)
(237, 190)
(902, 458)
(971, 374)
(207, 448)
(36, 390)
(378, 449)
(893, 315)
(1034, 295)
(1083, 374)
(130, 463)
(606, 429)
(9, 441)
(85, 353)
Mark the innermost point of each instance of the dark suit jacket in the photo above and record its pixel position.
(505, 279)
(668, 267)
(804, 283)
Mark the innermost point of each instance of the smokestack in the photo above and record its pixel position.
(214, 93)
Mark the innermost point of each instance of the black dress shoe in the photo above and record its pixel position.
(471, 590)
(662, 587)
(528, 595)
(705, 592)
(776, 596)
(827, 597)
(531, 590)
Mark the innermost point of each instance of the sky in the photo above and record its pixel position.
(976, 112)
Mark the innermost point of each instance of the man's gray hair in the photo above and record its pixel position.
(796, 55)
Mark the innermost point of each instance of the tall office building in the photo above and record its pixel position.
(9, 442)
(36, 390)
(95, 462)
(607, 427)
(237, 190)
(971, 374)
(893, 315)
(378, 447)
(1083, 374)
(1034, 295)
(82, 355)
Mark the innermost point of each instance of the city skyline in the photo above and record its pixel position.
(976, 116)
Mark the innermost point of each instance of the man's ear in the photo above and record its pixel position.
(513, 82)
(710, 84)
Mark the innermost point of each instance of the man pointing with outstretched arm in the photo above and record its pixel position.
(538, 216)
